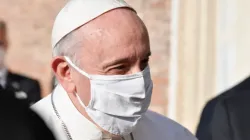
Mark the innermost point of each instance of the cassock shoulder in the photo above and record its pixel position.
(165, 128)
(43, 108)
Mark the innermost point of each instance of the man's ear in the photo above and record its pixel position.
(62, 73)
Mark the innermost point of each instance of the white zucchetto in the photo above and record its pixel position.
(79, 12)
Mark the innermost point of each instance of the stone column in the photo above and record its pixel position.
(195, 60)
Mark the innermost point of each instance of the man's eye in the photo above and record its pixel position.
(122, 67)
(118, 70)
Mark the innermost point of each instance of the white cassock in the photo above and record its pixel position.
(65, 120)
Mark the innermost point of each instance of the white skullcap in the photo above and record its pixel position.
(78, 12)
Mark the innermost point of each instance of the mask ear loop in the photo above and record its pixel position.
(76, 68)
(80, 101)
(81, 72)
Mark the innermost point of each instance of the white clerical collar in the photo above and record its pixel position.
(78, 126)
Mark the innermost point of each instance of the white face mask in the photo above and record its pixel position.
(118, 102)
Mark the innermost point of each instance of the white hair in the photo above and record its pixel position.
(67, 46)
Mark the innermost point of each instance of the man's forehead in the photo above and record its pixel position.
(106, 46)
(116, 23)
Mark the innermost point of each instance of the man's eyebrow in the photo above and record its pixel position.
(120, 60)
(116, 61)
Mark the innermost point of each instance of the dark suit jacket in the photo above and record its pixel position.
(22, 86)
(204, 127)
(231, 119)
(18, 122)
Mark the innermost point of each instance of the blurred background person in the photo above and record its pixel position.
(226, 117)
(22, 86)
(231, 117)
(18, 122)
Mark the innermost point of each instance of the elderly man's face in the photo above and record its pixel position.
(115, 43)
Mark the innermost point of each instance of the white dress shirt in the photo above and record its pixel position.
(64, 119)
